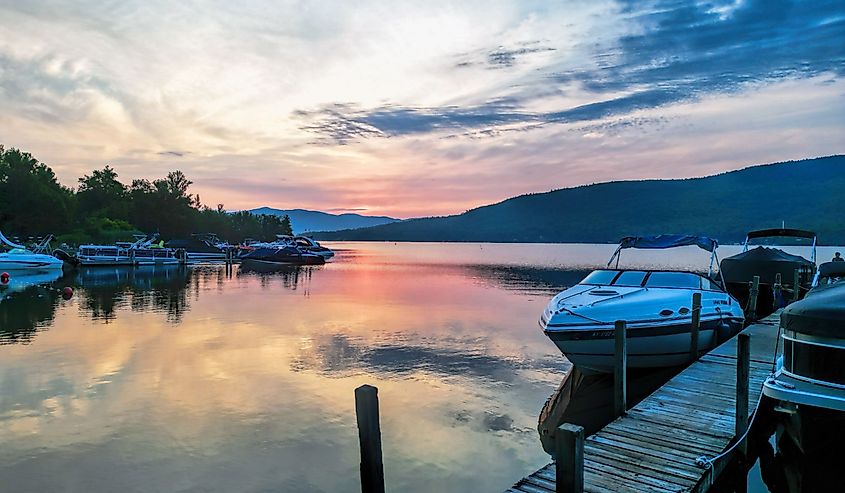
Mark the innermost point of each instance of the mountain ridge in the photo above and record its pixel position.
(306, 221)
(804, 193)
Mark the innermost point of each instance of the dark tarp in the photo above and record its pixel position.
(668, 241)
(766, 263)
(820, 313)
(764, 254)
(836, 269)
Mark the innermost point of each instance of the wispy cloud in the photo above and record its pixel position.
(446, 106)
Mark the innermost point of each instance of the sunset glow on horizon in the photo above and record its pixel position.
(414, 109)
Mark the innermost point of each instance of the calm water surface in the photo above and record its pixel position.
(202, 379)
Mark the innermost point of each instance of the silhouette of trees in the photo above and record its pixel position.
(32, 202)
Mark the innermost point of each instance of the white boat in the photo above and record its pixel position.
(144, 251)
(811, 367)
(15, 257)
(655, 304)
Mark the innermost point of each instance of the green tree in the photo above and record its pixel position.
(32, 202)
(100, 194)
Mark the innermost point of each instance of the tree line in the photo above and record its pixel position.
(102, 209)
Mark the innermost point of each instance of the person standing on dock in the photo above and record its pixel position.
(837, 257)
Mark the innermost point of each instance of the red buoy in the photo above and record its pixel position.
(4, 278)
(67, 292)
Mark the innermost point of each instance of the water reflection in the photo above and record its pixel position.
(27, 303)
(211, 378)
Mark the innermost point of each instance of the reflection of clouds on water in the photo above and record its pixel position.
(338, 355)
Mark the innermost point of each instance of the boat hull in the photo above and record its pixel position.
(649, 345)
(32, 263)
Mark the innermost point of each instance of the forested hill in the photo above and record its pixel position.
(807, 194)
(304, 221)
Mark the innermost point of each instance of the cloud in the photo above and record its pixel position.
(680, 52)
(447, 106)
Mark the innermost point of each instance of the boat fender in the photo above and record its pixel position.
(4, 278)
(67, 293)
(723, 332)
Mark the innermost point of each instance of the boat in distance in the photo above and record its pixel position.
(144, 251)
(15, 257)
(655, 304)
(282, 251)
(202, 246)
(313, 246)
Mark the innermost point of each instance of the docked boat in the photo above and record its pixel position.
(313, 246)
(279, 253)
(828, 275)
(144, 251)
(773, 265)
(811, 367)
(15, 257)
(204, 246)
(656, 305)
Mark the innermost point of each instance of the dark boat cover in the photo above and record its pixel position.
(764, 262)
(821, 314)
(832, 269)
(668, 241)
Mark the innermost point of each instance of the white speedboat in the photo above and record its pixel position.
(15, 257)
(655, 304)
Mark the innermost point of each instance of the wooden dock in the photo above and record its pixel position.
(657, 445)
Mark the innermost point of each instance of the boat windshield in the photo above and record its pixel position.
(600, 277)
(630, 278)
(675, 280)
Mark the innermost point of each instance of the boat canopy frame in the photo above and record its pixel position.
(670, 241)
(9, 242)
(783, 232)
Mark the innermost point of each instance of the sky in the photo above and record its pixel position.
(417, 108)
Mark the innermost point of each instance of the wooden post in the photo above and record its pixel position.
(369, 436)
(743, 362)
(796, 287)
(569, 465)
(620, 373)
(696, 325)
(753, 291)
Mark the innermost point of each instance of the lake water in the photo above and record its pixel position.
(207, 379)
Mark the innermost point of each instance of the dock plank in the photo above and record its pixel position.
(654, 447)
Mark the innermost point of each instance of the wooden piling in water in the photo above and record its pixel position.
(696, 325)
(369, 437)
(569, 465)
(620, 370)
(743, 368)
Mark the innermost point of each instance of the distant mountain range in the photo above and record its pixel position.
(806, 194)
(304, 221)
